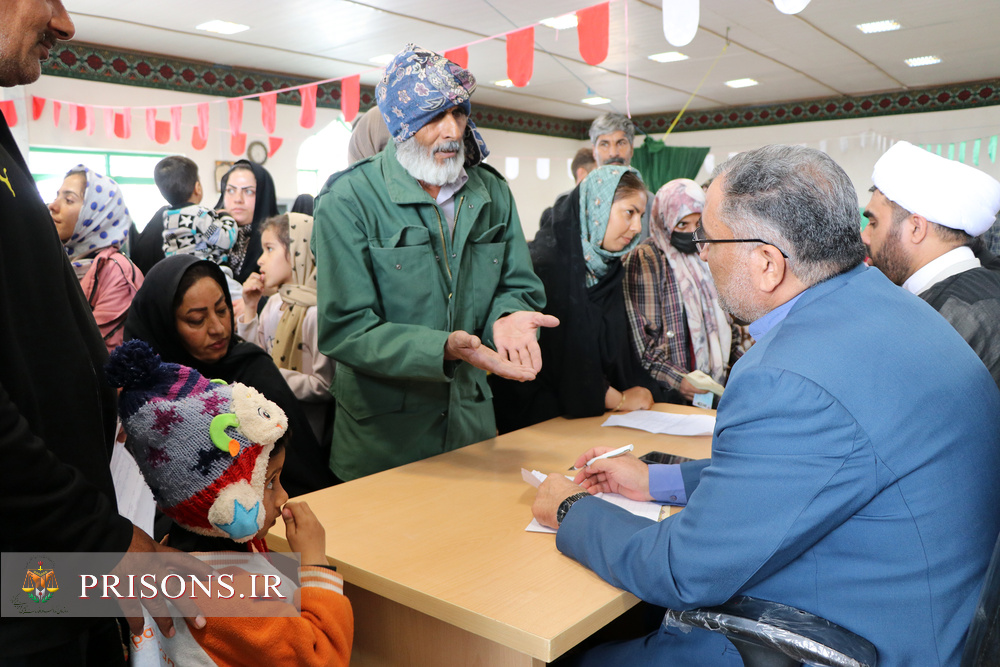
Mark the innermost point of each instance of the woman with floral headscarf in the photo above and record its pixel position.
(675, 319)
(589, 365)
(92, 222)
(287, 325)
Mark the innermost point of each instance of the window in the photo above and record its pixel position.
(132, 171)
(322, 154)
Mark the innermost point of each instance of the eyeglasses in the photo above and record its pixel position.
(700, 241)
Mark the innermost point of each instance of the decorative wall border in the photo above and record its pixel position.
(78, 60)
(942, 98)
(97, 63)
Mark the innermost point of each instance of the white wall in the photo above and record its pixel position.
(942, 127)
(532, 194)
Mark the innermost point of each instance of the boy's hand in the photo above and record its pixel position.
(305, 533)
(253, 288)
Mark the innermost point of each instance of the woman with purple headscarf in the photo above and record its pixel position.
(676, 322)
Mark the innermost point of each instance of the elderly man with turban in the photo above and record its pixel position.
(924, 213)
(424, 278)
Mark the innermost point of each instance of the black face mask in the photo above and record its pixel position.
(684, 241)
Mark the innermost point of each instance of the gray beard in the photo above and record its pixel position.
(419, 162)
(737, 300)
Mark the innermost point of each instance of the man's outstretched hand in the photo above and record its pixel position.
(463, 346)
(516, 337)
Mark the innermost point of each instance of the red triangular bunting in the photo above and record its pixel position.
(592, 29)
(9, 112)
(274, 143)
(175, 122)
(77, 118)
(123, 124)
(88, 119)
(520, 56)
(109, 123)
(459, 56)
(198, 140)
(203, 121)
(37, 107)
(269, 111)
(235, 116)
(56, 108)
(350, 96)
(238, 144)
(162, 131)
(151, 124)
(308, 117)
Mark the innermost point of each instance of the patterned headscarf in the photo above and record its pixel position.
(104, 219)
(417, 86)
(708, 324)
(299, 294)
(597, 194)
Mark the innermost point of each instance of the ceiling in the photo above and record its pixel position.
(818, 53)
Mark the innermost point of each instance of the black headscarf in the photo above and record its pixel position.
(265, 206)
(590, 348)
(151, 318)
(304, 203)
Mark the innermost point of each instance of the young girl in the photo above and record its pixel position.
(212, 453)
(286, 327)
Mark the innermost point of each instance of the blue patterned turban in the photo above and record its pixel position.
(418, 85)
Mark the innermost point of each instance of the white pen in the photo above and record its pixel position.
(608, 455)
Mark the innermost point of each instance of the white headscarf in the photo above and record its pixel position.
(103, 221)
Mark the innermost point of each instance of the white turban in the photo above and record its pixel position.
(949, 193)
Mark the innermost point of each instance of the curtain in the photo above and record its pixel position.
(659, 163)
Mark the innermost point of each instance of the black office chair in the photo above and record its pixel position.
(768, 634)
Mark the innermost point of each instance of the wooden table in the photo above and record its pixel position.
(439, 568)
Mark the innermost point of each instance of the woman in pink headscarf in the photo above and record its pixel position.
(675, 319)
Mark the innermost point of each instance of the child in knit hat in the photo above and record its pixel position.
(212, 455)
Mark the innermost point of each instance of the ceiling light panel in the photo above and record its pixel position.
(741, 83)
(222, 27)
(560, 22)
(921, 61)
(595, 100)
(878, 26)
(668, 57)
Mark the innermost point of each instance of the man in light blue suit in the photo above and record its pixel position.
(855, 455)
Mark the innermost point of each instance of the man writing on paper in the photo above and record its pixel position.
(423, 272)
(835, 435)
(924, 213)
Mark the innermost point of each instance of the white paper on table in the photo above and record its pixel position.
(667, 423)
(649, 510)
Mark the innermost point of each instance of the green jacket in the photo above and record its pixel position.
(392, 285)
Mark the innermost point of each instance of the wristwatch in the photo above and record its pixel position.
(566, 504)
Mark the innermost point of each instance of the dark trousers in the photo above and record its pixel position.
(639, 639)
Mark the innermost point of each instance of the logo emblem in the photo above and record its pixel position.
(6, 181)
(40, 583)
